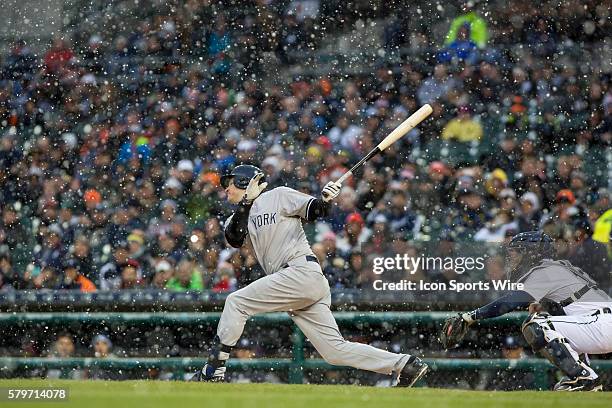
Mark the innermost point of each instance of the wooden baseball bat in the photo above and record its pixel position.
(405, 127)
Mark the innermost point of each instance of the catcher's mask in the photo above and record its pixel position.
(526, 250)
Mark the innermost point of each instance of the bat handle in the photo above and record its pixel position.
(344, 177)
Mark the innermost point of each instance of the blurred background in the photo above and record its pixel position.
(118, 118)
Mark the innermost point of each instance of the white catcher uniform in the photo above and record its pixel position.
(587, 325)
(294, 284)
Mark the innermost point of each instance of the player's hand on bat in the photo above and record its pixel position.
(254, 189)
(331, 191)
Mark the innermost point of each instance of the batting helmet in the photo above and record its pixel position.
(526, 250)
(241, 175)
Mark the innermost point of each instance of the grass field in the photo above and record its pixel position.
(153, 394)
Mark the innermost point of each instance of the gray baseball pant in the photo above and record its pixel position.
(303, 292)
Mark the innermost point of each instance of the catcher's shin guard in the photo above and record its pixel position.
(557, 351)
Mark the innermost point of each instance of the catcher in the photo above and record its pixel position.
(578, 319)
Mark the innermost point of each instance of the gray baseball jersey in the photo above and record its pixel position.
(560, 280)
(275, 227)
(276, 233)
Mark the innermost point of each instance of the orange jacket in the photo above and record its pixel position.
(86, 284)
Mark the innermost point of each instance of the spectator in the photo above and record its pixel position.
(563, 207)
(463, 128)
(467, 217)
(73, 279)
(335, 267)
(9, 277)
(225, 281)
(102, 348)
(163, 274)
(63, 347)
(354, 235)
(131, 276)
(437, 86)
(83, 258)
(589, 255)
(187, 277)
(137, 250)
(461, 48)
(58, 56)
(478, 26)
(529, 213)
(110, 273)
(502, 221)
(52, 252)
(45, 278)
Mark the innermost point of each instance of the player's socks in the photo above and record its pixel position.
(214, 369)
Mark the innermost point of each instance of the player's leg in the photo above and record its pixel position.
(319, 326)
(561, 339)
(286, 290)
(590, 334)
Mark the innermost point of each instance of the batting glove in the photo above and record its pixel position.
(254, 189)
(331, 191)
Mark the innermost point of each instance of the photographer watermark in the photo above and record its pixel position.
(453, 285)
(413, 264)
(448, 270)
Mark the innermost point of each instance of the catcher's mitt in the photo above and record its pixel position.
(454, 331)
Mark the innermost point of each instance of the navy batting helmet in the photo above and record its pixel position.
(526, 250)
(241, 175)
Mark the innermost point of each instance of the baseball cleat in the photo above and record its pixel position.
(579, 384)
(413, 370)
(209, 373)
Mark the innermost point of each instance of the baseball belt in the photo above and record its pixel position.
(309, 258)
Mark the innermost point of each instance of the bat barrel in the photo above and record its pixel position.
(405, 127)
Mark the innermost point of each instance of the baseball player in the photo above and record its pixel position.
(577, 319)
(294, 282)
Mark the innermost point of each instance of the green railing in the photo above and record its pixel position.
(295, 365)
(191, 318)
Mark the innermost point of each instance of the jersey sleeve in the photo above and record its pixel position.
(538, 283)
(293, 203)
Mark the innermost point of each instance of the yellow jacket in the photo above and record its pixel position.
(462, 130)
(603, 225)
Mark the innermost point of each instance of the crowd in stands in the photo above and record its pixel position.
(110, 160)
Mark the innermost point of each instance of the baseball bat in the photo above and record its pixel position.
(405, 127)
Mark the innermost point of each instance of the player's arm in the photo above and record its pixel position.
(456, 327)
(512, 301)
(320, 207)
(236, 228)
(317, 208)
(297, 204)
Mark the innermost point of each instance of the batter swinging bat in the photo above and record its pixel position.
(405, 127)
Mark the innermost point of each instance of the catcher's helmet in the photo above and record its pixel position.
(241, 175)
(526, 250)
